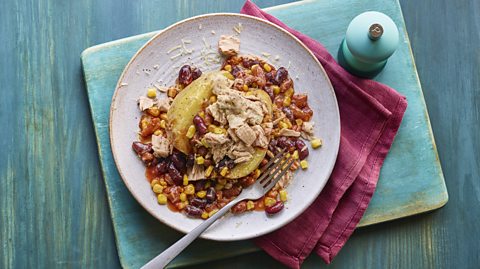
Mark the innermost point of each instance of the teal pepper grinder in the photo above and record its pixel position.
(371, 38)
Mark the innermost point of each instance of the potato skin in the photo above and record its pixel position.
(184, 107)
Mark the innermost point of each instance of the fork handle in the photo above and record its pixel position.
(170, 253)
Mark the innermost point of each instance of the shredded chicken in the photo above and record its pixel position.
(145, 103)
(307, 130)
(229, 45)
(246, 134)
(163, 104)
(261, 140)
(161, 146)
(288, 132)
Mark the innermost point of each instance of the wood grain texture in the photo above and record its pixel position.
(53, 206)
(399, 192)
(53, 210)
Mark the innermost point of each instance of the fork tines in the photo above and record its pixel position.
(274, 170)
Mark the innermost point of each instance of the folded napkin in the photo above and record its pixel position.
(370, 115)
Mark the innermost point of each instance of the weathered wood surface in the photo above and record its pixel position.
(400, 192)
(53, 204)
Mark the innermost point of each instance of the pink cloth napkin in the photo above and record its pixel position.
(370, 114)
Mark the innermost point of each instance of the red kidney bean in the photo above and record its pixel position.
(175, 174)
(193, 211)
(196, 73)
(237, 72)
(288, 113)
(275, 208)
(147, 157)
(185, 76)
(270, 77)
(302, 149)
(199, 185)
(269, 91)
(281, 75)
(179, 160)
(162, 166)
(198, 202)
(304, 114)
(211, 195)
(247, 62)
(141, 148)
(300, 100)
(239, 207)
(234, 191)
(200, 125)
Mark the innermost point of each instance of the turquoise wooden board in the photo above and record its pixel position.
(411, 179)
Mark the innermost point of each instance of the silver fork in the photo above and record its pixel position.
(271, 173)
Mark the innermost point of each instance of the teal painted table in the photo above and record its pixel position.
(53, 203)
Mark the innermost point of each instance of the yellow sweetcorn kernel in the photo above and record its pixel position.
(211, 213)
(245, 87)
(316, 143)
(158, 133)
(185, 180)
(268, 201)
(201, 114)
(267, 67)
(256, 173)
(224, 171)
(157, 188)
(250, 205)
(163, 116)
(276, 89)
(201, 194)
(212, 99)
(154, 182)
(200, 160)
(287, 101)
(154, 111)
(162, 199)
(204, 143)
(163, 124)
(189, 189)
(282, 125)
(152, 93)
(183, 197)
(295, 155)
(229, 75)
(289, 92)
(191, 131)
(228, 68)
(283, 195)
(304, 164)
(163, 182)
(299, 122)
(287, 155)
(209, 170)
(204, 215)
(289, 124)
(216, 130)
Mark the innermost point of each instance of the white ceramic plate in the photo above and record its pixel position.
(154, 64)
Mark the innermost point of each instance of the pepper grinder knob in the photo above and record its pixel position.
(371, 38)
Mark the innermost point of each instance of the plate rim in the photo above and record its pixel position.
(259, 20)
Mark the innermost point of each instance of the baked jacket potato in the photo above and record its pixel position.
(188, 103)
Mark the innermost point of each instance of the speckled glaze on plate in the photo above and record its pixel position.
(155, 64)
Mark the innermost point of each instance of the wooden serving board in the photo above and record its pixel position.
(411, 180)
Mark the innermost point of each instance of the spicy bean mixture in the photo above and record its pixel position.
(198, 184)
